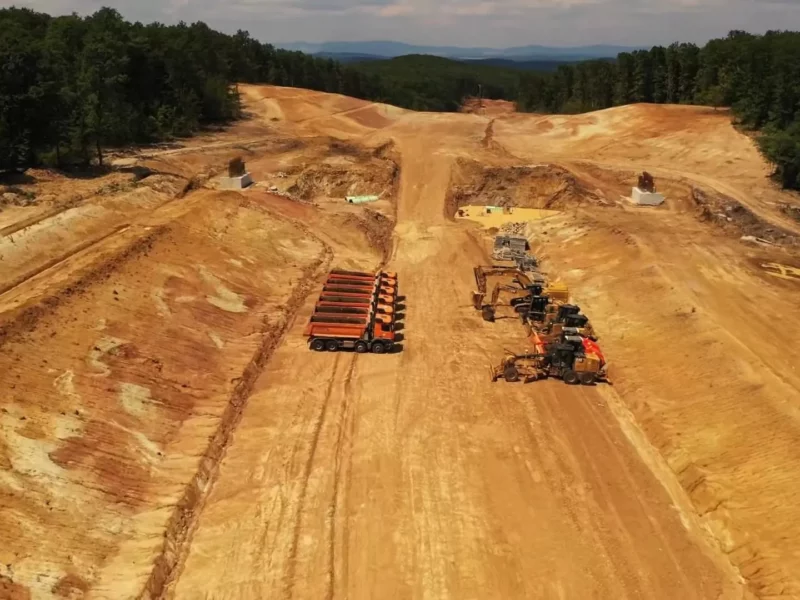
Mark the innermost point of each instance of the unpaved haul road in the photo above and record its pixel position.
(412, 476)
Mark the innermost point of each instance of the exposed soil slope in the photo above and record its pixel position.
(167, 433)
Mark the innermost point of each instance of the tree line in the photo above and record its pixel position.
(433, 83)
(71, 86)
(758, 76)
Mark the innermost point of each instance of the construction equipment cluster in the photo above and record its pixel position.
(564, 341)
(356, 311)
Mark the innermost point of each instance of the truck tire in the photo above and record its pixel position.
(511, 373)
(332, 345)
(488, 314)
(361, 347)
(588, 378)
(570, 377)
(378, 348)
(318, 345)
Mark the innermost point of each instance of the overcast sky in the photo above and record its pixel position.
(496, 23)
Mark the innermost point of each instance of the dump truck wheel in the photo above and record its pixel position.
(588, 378)
(511, 374)
(361, 347)
(318, 345)
(332, 346)
(570, 377)
(378, 349)
(488, 315)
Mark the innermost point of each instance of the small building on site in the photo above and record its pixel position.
(645, 198)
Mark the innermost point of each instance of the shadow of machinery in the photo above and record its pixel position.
(397, 349)
(399, 337)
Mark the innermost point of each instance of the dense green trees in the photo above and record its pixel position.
(758, 76)
(422, 82)
(70, 86)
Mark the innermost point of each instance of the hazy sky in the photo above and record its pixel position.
(497, 23)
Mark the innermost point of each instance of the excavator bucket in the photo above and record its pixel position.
(477, 300)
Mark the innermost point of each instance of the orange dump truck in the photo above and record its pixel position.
(386, 275)
(361, 335)
(369, 296)
(333, 301)
(356, 311)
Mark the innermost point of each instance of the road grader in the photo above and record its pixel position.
(573, 358)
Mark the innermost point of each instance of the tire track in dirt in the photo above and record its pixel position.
(291, 567)
(182, 524)
(341, 472)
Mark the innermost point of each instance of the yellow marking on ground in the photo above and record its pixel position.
(499, 218)
(782, 271)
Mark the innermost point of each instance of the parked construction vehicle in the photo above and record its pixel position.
(509, 247)
(523, 289)
(572, 358)
(386, 276)
(361, 336)
(328, 300)
(548, 317)
(355, 311)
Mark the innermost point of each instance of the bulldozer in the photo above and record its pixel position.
(572, 358)
(551, 318)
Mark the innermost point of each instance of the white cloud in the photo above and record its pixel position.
(497, 23)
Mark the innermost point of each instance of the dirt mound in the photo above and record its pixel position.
(373, 176)
(488, 107)
(738, 220)
(377, 228)
(533, 186)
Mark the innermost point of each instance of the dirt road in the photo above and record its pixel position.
(415, 477)
(282, 473)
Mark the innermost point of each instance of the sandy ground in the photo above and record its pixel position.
(166, 433)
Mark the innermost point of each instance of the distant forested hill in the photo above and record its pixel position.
(423, 82)
(71, 85)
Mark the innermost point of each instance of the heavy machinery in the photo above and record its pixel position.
(369, 297)
(352, 277)
(523, 288)
(366, 288)
(572, 358)
(362, 336)
(351, 280)
(325, 317)
(550, 318)
(509, 247)
(335, 302)
(355, 311)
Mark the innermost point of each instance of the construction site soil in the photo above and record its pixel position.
(166, 433)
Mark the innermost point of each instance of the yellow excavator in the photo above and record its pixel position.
(518, 293)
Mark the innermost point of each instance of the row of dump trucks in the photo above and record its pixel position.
(356, 311)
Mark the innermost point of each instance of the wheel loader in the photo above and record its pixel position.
(571, 359)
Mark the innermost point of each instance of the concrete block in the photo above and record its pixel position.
(236, 183)
(646, 198)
